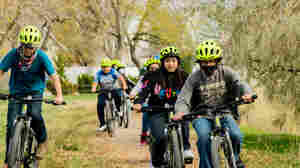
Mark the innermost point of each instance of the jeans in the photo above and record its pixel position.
(203, 128)
(37, 123)
(157, 125)
(145, 121)
(116, 95)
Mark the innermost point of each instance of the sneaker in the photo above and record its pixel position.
(240, 164)
(144, 138)
(102, 128)
(188, 155)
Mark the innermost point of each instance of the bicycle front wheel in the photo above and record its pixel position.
(127, 114)
(228, 152)
(215, 155)
(16, 145)
(109, 117)
(176, 155)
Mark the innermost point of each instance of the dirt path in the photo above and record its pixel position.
(124, 150)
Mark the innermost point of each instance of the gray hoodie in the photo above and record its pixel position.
(221, 87)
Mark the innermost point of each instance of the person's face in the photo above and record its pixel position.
(210, 63)
(106, 69)
(153, 67)
(29, 51)
(171, 64)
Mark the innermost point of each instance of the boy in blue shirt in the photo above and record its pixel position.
(106, 78)
(28, 65)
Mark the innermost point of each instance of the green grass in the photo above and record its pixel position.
(278, 143)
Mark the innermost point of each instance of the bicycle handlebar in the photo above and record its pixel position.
(215, 108)
(157, 109)
(29, 99)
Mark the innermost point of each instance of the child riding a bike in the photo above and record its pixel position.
(212, 84)
(106, 77)
(151, 65)
(162, 87)
(29, 65)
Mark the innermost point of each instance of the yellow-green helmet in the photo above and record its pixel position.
(153, 60)
(208, 50)
(115, 62)
(30, 35)
(170, 51)
(120, 65)
(146, 63)
(105, 62)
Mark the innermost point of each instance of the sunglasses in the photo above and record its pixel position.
(28, 46)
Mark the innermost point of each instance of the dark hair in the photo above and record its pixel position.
(178, 79)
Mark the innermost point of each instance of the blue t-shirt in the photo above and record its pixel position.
(107, 81)
(27, 81)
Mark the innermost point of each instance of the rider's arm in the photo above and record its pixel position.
(124, 84)
(55, 79)
(95, 82)
(183, 102)
(49, 68)
(137, 88)
(145, 91)
(7, 61)
(240, 87)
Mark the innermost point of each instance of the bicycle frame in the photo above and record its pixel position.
(174, 153)
(113, 115)
(219, 135)
(23, 137)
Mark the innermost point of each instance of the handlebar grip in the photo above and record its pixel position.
(254, 96)
(53, 102)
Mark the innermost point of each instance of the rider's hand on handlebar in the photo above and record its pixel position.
(247, 98)
(178, 116)
(137, 107)
(59, 100)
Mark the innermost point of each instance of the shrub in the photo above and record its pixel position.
(66, 86)
(85, 83)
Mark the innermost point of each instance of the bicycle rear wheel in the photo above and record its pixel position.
(16, 145)
(176, 155)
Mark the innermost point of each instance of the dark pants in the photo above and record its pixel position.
(37, 123)
(157, 125)
(116, 94)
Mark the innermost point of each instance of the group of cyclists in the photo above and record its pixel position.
(162, 82)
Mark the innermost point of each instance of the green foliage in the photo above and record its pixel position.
(85, 83)
(67, 87)
(278, 143)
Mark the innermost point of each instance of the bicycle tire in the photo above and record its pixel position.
(30, 161)
(228, 152)
(110, 122)
(176, 158)
(127, 114)
(215, 155)
(16, 145)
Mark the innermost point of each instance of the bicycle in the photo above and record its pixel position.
(125, 110)
(23, 145)
(174, 153)
(219, 136)
(111, 115)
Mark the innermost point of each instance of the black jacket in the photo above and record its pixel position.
(161, 87)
